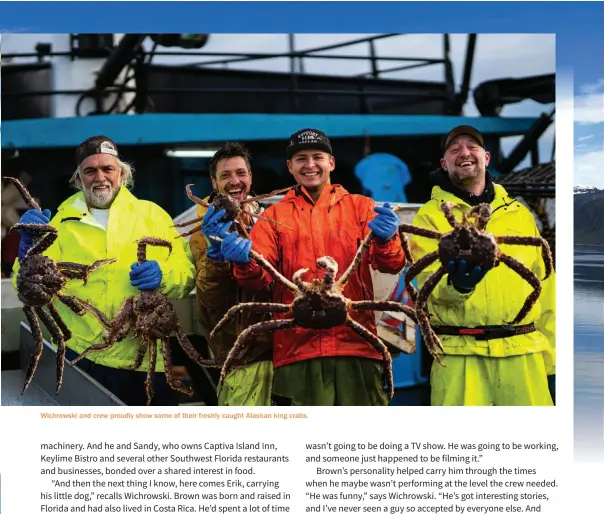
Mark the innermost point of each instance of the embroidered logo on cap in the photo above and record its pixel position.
(308, 136)
(107, 147)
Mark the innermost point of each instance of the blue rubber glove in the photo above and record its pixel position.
(212, 226)
(463, 279)
(236, 249)
(385, 224)
(31, 217)
(146, 276)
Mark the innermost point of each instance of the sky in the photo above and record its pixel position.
(589, 134)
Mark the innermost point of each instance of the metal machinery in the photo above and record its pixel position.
(83, 84)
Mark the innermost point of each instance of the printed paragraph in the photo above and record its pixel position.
(218, 477)
(423, 477)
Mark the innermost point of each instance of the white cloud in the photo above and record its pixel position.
(596, 87)
(589, 108)
(585, 138)
(589, 105)
(588, 168)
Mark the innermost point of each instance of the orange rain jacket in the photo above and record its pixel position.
(335, 225)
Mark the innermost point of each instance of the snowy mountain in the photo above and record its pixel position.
(589, 215)
(578, 190)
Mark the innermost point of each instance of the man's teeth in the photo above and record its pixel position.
(235, 191)
(311, 174)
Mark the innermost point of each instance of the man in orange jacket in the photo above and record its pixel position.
(331, 366)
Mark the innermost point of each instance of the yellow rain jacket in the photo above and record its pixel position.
(499, 296)
(83, 240)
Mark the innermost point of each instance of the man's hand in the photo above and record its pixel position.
(213, 226)
(385, 224)
(146, 276)
(31, 217)
(462, 278)
(236, 249)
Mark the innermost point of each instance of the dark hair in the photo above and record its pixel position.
(227, 151)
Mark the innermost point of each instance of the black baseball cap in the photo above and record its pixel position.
(94, 145)
(465, 130)
(306, 139)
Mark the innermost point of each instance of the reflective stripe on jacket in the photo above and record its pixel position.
(499, 296)
(335, 225)
(83, 240)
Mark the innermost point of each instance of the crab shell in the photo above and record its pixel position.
(475, 247)
(230, 205)
(39, 280)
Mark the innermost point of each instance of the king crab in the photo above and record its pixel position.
(319, 304)
(469, 241)
(235, 209)
(39, 281)
(151, 316)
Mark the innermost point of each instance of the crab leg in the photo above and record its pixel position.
(141, 253)
(80, 307)
(253, 306)
(530, 277)
(194, 198)
(357, 259)
(446, 208)
(191, 352)
(34, 324)
(152, 345)
(257, 216)
(380, 347)
(421, 309)
(190, 232)
(373, 305)
(264, 197)
(75, 270)
(43, 243)
(173, 382)
(531, 241)
(263, 263)
(406, 247)
(122, 325)
(59, 340)
(140, 357)
(186, 223)
(258, 328)
(415, 270)
(31, 203)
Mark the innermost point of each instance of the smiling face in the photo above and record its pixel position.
(312, 169)
(101, 179)
(465, 161)
(233, 178)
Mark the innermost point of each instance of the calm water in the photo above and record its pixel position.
(589, 351)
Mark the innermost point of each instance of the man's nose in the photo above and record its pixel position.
(99, 176)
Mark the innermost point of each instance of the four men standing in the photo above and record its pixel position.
(316, 218)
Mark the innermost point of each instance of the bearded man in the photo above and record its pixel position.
(102, 221)
(494, 363)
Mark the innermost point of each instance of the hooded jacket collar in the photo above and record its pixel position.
(441, 179)
(331, 194)
(75, 208)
